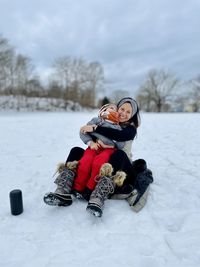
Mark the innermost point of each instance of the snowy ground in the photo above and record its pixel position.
(165, 233)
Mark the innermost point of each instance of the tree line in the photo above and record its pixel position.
(78, 80)
(163, 92)
(72, 79)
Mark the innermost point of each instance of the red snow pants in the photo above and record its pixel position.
(89, 166)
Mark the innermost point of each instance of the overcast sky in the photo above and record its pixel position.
(128, 37)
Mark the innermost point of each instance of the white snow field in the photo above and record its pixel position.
(166, 232)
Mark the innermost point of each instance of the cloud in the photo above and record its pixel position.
(129, 37)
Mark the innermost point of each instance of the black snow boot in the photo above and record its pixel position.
(122, 192)
(138, 197)
(139, 165)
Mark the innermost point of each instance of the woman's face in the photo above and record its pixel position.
(125, 112)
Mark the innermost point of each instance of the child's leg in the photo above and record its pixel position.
(84, 169)
(98, 161)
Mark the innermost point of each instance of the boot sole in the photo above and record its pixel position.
(94, 210)
(53, 199)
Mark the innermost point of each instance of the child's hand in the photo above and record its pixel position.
(94, 145)
(101, 143)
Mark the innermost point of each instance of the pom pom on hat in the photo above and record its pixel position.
(105, 107)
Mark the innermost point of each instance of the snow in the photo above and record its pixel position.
(23, 103)
(165, 233)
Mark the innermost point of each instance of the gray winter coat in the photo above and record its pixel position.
(98, 121)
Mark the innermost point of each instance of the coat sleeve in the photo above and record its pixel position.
(86, 137)
(125, 134)
(95, 121)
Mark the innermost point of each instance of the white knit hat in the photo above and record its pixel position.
(105, 107)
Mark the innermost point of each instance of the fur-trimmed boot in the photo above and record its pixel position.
(104, 188)
(66, 177)
(64, 182)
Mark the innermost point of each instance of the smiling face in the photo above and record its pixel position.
(125, 112)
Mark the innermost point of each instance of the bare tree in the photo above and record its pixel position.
(22, 71)
(54, 90)
(154, 93)
(6, 59)
(195, 94)
(78, 77)
(34, 87)
(15, 70)
(94, 75)
(144, 101)
(69, 73)
(118, 94)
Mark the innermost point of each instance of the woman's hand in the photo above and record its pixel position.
(87, 128)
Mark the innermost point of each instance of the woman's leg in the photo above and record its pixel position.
(75, 153)
(120, 161)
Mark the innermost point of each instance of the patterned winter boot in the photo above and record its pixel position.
(64, 182)
(104, 188)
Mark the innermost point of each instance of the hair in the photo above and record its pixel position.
(135, 119)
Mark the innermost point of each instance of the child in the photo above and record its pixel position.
(99, 150)
(108, 117)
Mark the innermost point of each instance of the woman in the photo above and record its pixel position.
(129, 120)
(99, 150)
(120, 160)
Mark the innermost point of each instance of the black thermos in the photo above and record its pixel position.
(16, 203)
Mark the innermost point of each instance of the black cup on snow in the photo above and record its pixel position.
(16, 203)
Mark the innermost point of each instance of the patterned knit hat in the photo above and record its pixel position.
(111, 115)
(105, 107)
